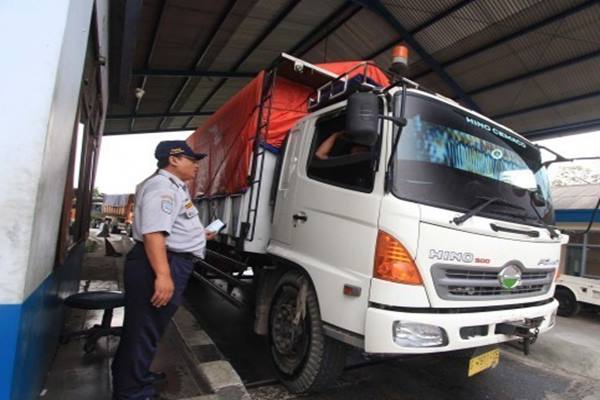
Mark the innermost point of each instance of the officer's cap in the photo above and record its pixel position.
(168, 148)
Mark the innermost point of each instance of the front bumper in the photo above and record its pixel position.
(379, 327)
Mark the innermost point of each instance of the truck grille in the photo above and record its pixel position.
(454, 282)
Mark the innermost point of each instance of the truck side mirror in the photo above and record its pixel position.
(538, 199)
(362, 116)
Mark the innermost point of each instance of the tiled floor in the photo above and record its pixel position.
(76, 375)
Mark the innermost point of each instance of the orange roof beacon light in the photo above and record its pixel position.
(393, 262)
(399, 59)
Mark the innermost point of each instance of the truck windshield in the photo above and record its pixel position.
(451, 159)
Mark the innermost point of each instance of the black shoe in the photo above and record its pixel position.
(156, 377)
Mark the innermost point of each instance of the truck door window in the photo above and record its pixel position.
(335, 160)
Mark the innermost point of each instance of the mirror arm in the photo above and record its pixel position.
(397, 121)
(560, 157)
(401, 122)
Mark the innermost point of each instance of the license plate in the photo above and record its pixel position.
(484, 361)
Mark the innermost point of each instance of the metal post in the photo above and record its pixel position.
(584, 251)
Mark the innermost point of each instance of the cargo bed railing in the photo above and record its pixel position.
(342, 86)
(258, 162)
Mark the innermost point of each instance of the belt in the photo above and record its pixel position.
(186, 256)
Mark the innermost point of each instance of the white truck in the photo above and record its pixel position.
(574, 291)
(426, 231)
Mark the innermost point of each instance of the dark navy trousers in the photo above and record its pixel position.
(144, 324)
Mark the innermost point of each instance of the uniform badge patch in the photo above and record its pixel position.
(166, 204)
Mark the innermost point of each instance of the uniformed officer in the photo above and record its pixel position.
(169, 235)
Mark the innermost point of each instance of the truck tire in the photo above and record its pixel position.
(568, 305)
(305, 359)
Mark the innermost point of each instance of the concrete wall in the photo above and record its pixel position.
(43, 46)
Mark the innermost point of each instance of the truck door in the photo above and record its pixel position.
(281, 229)
(333, 218)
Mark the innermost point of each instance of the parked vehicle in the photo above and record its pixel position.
(427, 229)
(118, 208)
(573, 292)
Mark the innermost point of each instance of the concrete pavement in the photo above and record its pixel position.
(573, 345)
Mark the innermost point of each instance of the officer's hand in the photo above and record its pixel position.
(210, 235)
(163, 290)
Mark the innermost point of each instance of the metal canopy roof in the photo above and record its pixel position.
(529, 64)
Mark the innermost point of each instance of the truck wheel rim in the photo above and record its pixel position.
(289, 343)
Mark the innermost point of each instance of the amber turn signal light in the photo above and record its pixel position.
(393, 262)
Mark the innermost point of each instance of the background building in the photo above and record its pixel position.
(574, 206)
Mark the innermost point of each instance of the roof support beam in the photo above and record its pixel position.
(422, 27)
(378, 8)
(159, 18)
(128, 132)
(547, 105)
(159, 115)
(539, 71)
(270, 28)
(190, 73)
(514, 35)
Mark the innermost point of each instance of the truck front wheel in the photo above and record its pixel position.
(305, 359)
(568, 305)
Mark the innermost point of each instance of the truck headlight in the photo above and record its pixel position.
(412, 334)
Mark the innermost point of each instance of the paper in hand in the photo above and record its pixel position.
(215, 226)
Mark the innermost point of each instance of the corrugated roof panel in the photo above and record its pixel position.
(116, 125)
(582, 110)
(184, 30)
(506, 98)
(259, 18)
(434, 82)
(201, 89)
(230, 88)
(491, 66)
(463, 23)
(148, 16)
(154, 99)
(196, 122)
(582, 26)
(143, 124)
(300, 22)
(571, 81)
(504, 10)
(174, 123)
(521, 56)
(495, 31)
(360, 36)
(543, 118)
(412, 14)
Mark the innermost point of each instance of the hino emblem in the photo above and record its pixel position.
(510, 277)
(446, 255)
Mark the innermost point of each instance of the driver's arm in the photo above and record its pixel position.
(322, 152)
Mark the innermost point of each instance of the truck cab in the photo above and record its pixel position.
(382, 237)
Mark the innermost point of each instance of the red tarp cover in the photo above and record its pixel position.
(228, 135)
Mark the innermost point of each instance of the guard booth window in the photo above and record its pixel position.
(582, 256)
(336, 160)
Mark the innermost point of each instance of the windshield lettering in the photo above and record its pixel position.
(494, 130)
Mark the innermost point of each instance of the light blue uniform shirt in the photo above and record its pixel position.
(162, 204)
